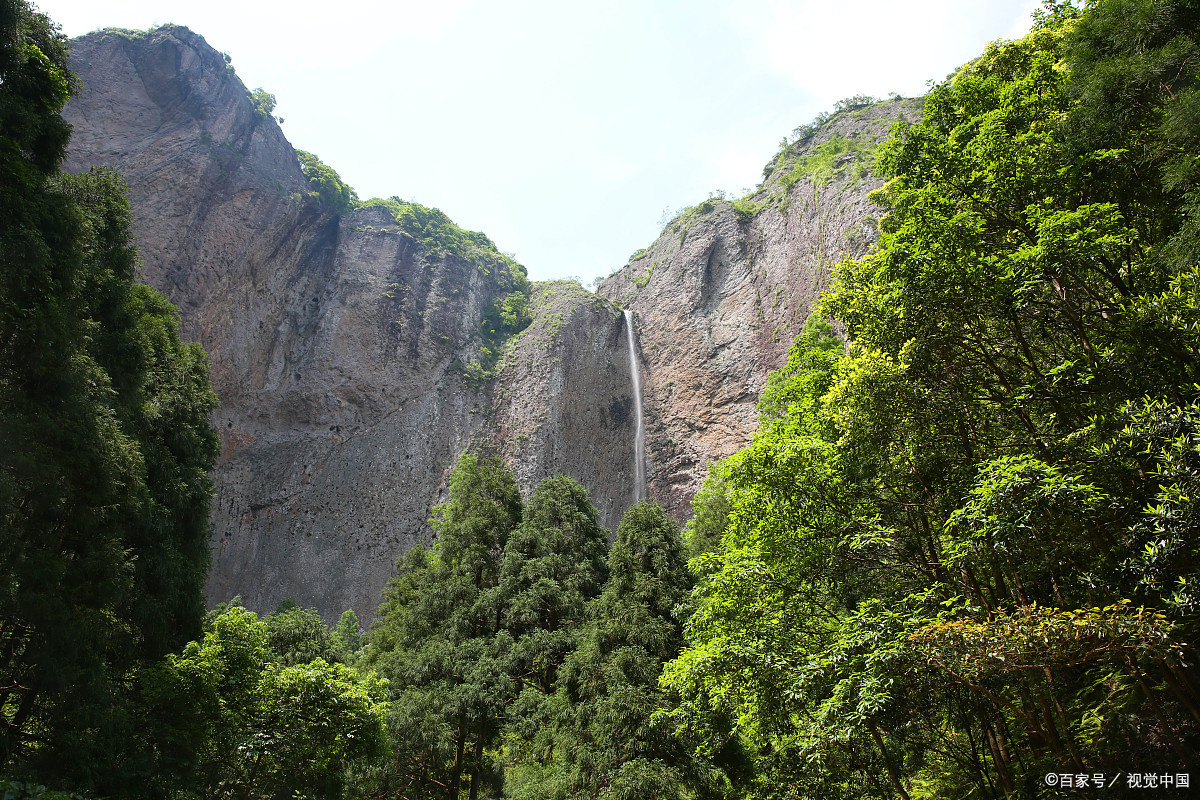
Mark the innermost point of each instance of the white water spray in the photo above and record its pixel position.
(639, 438)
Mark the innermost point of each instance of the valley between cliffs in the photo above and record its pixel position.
(341, 344)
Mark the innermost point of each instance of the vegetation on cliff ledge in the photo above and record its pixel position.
(507, 313)
(326, 184)
(507, 283)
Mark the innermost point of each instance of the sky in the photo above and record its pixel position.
(565, 131)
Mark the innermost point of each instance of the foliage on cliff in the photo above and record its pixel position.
(960, 554)
(437, 231)
(508, 311)
(328, 186)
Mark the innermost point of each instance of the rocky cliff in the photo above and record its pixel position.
(342, 345)
(727, 286)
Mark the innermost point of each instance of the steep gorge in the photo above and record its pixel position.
(338, 341)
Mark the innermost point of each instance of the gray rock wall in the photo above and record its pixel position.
(335, 341)
(720, 297)
(564, 400)
(332, 339)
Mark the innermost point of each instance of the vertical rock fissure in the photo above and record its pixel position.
(639, 436)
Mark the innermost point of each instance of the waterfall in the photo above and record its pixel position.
(639, 437)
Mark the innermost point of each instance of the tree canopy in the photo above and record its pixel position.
(955, 557)
(104, 487)
(327, 184)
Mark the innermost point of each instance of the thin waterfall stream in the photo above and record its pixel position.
(639, 437)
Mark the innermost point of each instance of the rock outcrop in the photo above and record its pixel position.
(564, 400)
(342, 344)
(725, 289)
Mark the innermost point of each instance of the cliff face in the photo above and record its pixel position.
(338, 342)
(564, 400)
(722, 293)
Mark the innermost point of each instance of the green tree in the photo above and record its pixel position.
(315, 721)
(348, 635)
(710, 518)
(208, 696)
(554, 565)
(263, 102)
(954, 557)
(773, 600)
(438, 638)
(602, 740)
(298, 635)
(327, 184)
(103, 485)
(1137, 92)
(244, 724)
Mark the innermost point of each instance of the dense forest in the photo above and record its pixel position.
(958, 560)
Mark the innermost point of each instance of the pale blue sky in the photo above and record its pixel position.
(563, 130)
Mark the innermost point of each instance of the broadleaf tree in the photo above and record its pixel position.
(957, 554)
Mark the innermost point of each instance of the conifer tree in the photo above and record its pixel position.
(437, 639)
(603, 738)
(104, 414)
(553, 565)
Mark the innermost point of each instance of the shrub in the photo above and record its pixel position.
(263, 101)
(326, 184)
